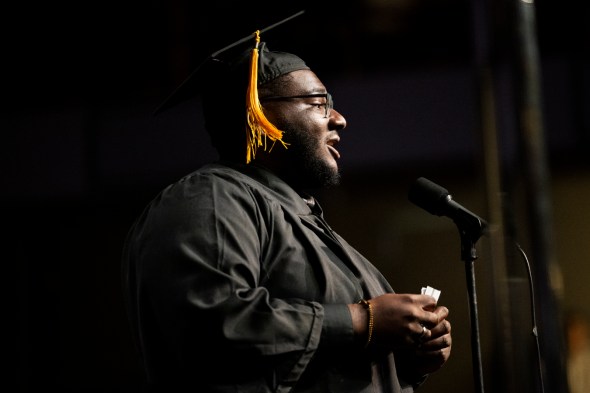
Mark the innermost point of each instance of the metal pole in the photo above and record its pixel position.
(474, 319)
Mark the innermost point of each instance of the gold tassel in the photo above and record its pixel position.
(258, 127)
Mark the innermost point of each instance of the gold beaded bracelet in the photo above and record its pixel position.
(367, 305)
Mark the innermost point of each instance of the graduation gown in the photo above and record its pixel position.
(235, 283)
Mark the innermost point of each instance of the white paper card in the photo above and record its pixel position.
(435, 293)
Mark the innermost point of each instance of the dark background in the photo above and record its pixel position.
(84, 153)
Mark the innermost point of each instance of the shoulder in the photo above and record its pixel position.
(216, 180)
(205, 196)
(229, 189)
(222, 184)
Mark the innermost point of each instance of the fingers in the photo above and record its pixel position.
(433, 320)
(433, 357)
(436, 338)
(437, 344)
(442, 312)
(442, 328)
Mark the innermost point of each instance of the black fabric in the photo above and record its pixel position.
(235, 284)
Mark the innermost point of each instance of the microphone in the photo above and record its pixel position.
(437, 200)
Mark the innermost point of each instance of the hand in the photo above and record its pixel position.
(431, 353)
(398, 320)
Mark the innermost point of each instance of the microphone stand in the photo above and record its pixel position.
(438, 201)
(470, 231)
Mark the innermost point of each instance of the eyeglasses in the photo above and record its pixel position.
(328, 106)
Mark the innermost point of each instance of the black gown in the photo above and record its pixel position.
(235, 283)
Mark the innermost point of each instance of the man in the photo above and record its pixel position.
(236, 283)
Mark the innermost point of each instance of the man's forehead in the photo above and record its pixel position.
(302, 82)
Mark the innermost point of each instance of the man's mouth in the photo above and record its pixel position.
(332, 142)
(334, 152)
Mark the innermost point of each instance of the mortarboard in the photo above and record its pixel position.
(241, 66)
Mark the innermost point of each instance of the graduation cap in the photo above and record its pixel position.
(239, 68)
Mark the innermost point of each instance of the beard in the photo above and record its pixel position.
(308, 169)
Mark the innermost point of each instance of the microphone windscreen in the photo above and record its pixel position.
(428, 195)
